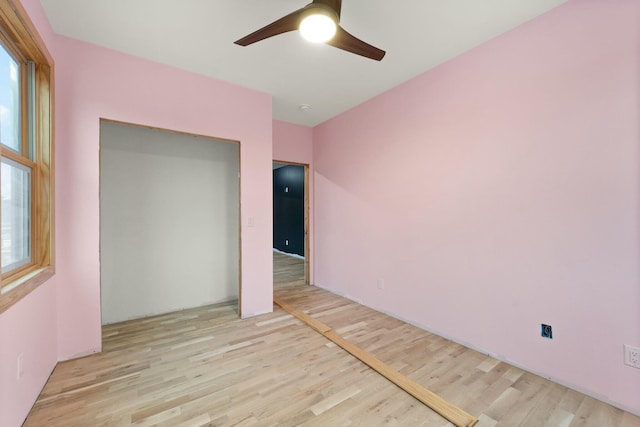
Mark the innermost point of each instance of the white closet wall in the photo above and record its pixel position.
(169, 230)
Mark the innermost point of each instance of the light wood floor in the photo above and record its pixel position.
(206, 367)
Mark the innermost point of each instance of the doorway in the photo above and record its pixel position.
(169, 221)
(291, 221)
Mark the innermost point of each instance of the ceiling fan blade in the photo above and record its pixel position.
(345, 41)
(283, 25)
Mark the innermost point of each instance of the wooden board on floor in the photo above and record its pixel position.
(448, 410)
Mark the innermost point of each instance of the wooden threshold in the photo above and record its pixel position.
(448, 410)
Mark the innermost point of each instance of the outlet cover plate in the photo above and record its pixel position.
(632, 356)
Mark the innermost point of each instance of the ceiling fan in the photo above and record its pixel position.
(318, 22)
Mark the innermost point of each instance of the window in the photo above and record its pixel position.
(25, 156)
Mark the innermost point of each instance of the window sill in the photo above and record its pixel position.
(22, 287)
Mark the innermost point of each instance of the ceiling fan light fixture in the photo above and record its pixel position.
(318, 22)
(318, 26)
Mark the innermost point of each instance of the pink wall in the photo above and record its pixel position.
(94, 83)
(29, 327)
(293, 143)
(500, 191)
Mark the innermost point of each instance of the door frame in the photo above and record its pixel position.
(307, 245)
(213, 139)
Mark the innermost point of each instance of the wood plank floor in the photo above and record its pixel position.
(206, 367)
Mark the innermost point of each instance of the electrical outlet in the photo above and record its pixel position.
(20, 365)
(380, 283)
(286, 242)
(546, 331)
(632, 356)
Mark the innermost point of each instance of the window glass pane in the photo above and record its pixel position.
(9, 100)
(16, 215)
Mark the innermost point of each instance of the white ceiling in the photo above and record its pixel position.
(198, 35)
